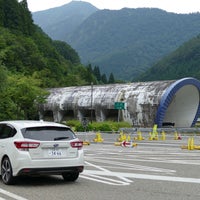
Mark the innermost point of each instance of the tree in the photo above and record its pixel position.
(111, 78)
(26, 18)
(26, 95)
(97, 73)
(7, 107)
(104, 79)
(67, 51)
(3, 78)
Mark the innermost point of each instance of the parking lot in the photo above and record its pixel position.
(151, 170)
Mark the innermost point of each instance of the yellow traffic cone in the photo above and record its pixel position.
(150, 136)
(163, 135)
(98, 137)
(191, 143)
(154, 132)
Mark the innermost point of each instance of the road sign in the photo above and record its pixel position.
(119, 105)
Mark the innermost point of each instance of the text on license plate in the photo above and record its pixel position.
(55, 152)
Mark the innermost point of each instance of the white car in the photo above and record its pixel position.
(38, 148)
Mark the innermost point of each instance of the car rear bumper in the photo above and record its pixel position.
(50, 171)
(24, 165)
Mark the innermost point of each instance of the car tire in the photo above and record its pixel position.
(70, 177)
(6, 172)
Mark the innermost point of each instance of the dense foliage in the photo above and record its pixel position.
(125, 42)
(107, 126)
(30, 61)
(129, 41)
(184, 62)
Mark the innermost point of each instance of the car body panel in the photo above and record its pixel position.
(49, 156)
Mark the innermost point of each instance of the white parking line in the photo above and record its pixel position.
(129, 166)
(142, 176)
(104, 180)
(94, 177)
(12, 195)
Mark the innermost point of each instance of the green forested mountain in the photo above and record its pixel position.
(129, 41)
(60, 22)
(26, 49)
(183, 62)
(29, 61)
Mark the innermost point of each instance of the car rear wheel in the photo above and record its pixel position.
(6, 171)
(70, 176)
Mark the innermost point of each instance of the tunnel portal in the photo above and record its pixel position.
(165, 103)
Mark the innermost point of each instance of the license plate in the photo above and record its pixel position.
(55, 152)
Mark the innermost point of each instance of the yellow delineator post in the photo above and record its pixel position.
(163, 135)
(150, 136)
(122, 137)
(98, 137)
(154, 133)
(191, 143)
(139, 136)
(176, 135)
(128, 138)
(86, 141)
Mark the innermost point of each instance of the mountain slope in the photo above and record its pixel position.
(124, 42)
(27, 51)
(61, 21)
(184, 62)
(129, 41)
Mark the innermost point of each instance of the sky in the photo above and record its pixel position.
(176, 6)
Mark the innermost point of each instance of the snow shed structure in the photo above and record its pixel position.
(163, 103)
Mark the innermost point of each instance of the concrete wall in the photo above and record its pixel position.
(144, 103)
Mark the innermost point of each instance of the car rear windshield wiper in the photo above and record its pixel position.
(61, 138)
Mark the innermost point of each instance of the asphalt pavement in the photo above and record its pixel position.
(151, 170)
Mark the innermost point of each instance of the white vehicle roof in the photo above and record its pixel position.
(32, 123)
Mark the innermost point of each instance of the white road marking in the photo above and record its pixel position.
(131, 166)
(143, 176)
(12, 195)
(104, 180)
(124, 158)
(125, 181)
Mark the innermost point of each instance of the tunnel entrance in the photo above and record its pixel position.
(68, 115)
(182, 109)
(48, 115)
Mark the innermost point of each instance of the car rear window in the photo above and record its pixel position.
(48, 133)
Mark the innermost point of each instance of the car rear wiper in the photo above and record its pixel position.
(61, 138)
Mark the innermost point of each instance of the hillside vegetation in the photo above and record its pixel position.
(126, 42)
(184, 62)
(61, 21)
(31, 61)
(129, 41)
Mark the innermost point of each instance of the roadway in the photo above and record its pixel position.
(153, 170)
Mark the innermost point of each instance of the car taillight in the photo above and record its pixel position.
(25, 146)
(77, 144)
